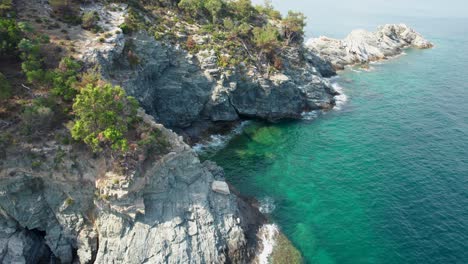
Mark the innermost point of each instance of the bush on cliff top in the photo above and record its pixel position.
(89, 20)
(104, 114)
(293, 27)
(10, 36)
(65, 78)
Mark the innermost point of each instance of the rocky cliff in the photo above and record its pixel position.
(73, 207)
(361, 47)
(60, 202)
(181, 89)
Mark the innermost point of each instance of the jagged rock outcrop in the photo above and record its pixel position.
(179, 89)
(19, 245)
(361, 47)
(71, 207)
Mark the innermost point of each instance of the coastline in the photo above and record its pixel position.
(157, 199)
(272, 242)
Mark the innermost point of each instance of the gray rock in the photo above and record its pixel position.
(220, 187)
(180, 90)
(165, 212)
(324, 67)
(167, 81)
(266, 100)
(19, 245)
(361, 46)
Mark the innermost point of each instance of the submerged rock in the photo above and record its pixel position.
(361, 47)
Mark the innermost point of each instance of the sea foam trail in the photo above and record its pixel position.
(340, 99)
(267, 205)
(267, 235)
(218, 141)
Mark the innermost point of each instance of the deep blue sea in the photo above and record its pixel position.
(382, 179)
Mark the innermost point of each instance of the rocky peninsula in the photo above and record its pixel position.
(362, 47)
(153, 200)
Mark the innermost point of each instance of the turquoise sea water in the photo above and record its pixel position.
(384, 179)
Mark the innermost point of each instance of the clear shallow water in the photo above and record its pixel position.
(384, 179)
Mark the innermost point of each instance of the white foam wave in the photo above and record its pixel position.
(267, 205)
(267, 235)
(310, 115)
(340, 99)
(218, 141)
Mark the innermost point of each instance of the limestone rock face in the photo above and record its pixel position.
(77, 211)
(166, 80)
(18, 245)
(180, 89)
(361, 46)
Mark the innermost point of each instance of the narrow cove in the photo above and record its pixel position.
(376, 180)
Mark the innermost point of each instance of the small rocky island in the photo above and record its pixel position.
(362, 47)
(100, 102)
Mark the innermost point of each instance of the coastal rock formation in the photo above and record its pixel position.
(61, 203)
(75, 209)
(179, 89)
(361, 47)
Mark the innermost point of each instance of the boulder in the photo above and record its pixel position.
(220, 187)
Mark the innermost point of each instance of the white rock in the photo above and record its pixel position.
(361, 46)
(220, 187)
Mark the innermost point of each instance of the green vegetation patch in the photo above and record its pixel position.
(103, 117)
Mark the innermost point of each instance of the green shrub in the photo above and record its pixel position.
(36, 164)
(66, 10)
(293, 27)
(44, 39)
(192, 7)
(223, 61)
(125, 28)
(65, 78)
(32, 65)
(89, 20)
(243, 9)
(103, 116)
(268, 10)
(208, 28)
(228, 24)
(5, 87)
(10, 36)
(37, 119)
(154, 142)
(69, 201)
(214, 7)
(5, 7)
(266, 38)
(132, 22)
(59, 155)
